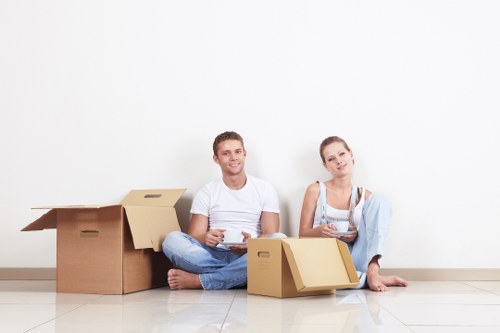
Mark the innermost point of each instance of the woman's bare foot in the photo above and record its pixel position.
(393, 281)
(374, 282)
(380, 283)
(179, 279)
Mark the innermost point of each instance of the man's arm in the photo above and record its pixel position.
(270, 223)
(197, 229)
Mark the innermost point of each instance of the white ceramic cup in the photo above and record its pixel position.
(232, 236)
(341, 226)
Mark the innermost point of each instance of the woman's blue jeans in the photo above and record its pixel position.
(373, 232)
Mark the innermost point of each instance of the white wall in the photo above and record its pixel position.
(100, 97)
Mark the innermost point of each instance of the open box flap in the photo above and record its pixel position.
(150, 225)
(317, 264)
(49, 219)
(75, 207)
(46, 221)
(349, 266)
(153, 198)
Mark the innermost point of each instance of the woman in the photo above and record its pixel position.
(369, 215)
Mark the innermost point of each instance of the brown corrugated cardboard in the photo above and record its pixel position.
(293, 267)
(112, 249)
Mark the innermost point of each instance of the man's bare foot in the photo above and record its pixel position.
(179, 279)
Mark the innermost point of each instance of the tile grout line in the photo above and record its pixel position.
(393, 315)
(494, 292)
(228, 310)
(61, 315)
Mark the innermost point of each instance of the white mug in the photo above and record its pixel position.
(232, 236)
(341, 226)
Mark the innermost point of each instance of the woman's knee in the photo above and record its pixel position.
(378, 201)
(377, 212)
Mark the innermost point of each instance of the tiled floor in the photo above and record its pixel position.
(454, 306)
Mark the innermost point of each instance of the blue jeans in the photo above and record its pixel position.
(372, 234)
(217, 268)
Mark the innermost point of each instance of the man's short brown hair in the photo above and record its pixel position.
(228, 135)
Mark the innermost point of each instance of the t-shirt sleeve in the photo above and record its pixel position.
(271, 201)
(201, 202)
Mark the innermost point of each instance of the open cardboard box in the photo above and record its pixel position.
(290, 267)
(112, 249)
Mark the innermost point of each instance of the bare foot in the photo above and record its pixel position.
(378, 282)
(394, 281)
(375, 283)
(179, 279)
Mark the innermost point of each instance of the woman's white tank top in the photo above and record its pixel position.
(335, 213)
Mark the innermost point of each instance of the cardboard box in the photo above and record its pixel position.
(112, 249)
(291, 267)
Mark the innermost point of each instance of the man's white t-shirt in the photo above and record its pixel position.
(236, 209)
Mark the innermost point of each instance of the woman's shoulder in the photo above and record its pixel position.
(312, 193)
(313, 187)
(312, 190)
(368, 193)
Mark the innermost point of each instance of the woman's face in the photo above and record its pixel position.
(338, 160)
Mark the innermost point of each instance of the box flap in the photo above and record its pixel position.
(75, 207)
(46, 221)
(150, 225)
(49, 219)
(349, 265)
(317, 264)
(153, 198)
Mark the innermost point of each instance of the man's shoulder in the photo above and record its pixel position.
(213, 183)
(260, 183)
(210, 187)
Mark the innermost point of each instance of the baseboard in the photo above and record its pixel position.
(35, 273)
(412, 274)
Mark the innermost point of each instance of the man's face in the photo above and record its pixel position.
(230, 157)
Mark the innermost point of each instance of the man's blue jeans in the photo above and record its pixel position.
(218, 268)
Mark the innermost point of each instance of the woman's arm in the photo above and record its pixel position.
(307, 214)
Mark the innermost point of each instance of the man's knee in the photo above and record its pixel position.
(170, 241)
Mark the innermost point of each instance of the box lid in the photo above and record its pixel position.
(49, 219)
(320, 264)
(150, 225)
(153, 198)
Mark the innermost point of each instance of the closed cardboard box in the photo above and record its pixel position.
(292, 267)
(112, 249)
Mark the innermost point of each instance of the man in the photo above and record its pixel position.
(236, 201)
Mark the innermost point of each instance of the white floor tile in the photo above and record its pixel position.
(38, 292)
(454, 329)
(423, 307)
(147, 317)
(171, 296)
(433, 286)
(446, 314)
(22, 317)
(485, 285)
(308, 311)
(274, 328)
(465, 297)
